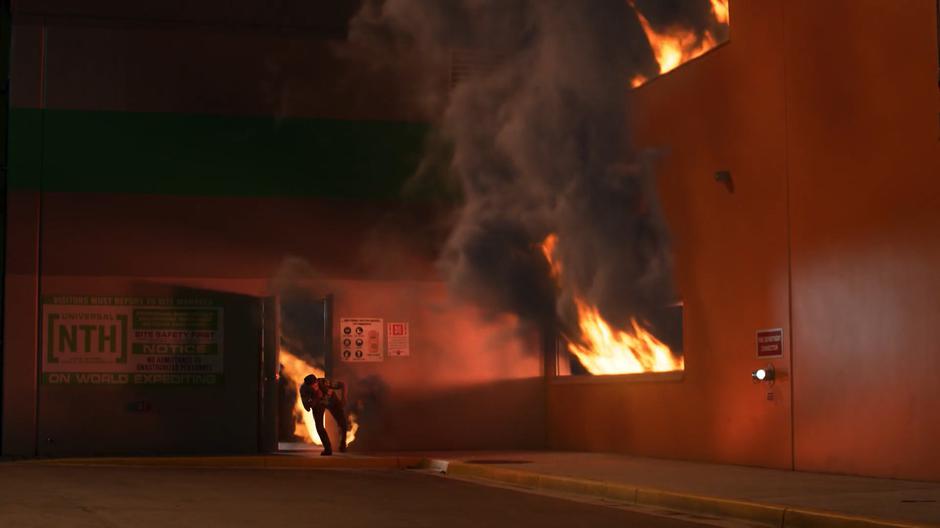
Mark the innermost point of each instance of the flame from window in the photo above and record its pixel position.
(603, 349)
(676, 45)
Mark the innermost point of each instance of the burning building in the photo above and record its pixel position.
(580, 214)
(535, 133)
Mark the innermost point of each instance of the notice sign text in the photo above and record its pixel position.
(131, 340)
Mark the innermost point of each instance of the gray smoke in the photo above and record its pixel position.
(300, 291)
(535, 122)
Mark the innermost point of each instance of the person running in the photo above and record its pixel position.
(319, 395)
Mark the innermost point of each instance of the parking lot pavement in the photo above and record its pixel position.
(34, 495)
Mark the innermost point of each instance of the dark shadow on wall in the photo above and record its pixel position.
(504, 415)
(215, 417)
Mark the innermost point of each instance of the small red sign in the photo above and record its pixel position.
(770, 343)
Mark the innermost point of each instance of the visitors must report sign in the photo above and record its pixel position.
(770, 343)
(95, 340)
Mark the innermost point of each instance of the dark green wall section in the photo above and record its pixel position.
(24, 149)
(163, 153)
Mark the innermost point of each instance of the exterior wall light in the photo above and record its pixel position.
(764, 374)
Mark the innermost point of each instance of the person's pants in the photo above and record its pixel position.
(339, 415)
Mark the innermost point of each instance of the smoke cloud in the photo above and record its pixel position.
(530, 98)
(300, 293)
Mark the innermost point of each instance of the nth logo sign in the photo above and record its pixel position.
(82, 338)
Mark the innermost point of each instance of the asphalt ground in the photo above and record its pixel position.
(34, 495)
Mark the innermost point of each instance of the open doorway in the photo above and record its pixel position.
(305, 345)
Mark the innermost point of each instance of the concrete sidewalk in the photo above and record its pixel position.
(772, 497)
(297, 460)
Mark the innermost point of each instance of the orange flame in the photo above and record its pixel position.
(297, 369)
(720, 9)
(603, 349)
(606, 350)
(548, 249)
(675, 46)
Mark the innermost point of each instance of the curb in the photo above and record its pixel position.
(768, 514)
(763, 513)
(239, 462)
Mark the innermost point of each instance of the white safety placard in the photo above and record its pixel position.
(399, 344)
(361, 339)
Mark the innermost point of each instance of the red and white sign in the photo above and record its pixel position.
(770, 343)
(398, 340)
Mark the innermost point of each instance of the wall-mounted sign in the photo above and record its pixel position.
(93, 340)
(361, 339)
(770, 343)
(398, 340)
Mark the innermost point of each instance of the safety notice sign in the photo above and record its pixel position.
(770, 343)
(361, 339)
(398, 340)
(103, 340)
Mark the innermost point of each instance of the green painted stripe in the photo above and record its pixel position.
(183, 154)
(24, 149)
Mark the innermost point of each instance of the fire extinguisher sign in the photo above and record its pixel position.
(398, 340)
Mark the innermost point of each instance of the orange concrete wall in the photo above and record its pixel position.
(723, 111)
(826, 115)
(864, 164)
(471, 383)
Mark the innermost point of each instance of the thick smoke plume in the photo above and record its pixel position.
(530, 98)
(300, 291)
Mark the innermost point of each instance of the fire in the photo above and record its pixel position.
(602, 349)
(548, 249)
(296, 370)
(606, 350)
(720, 9)
(676, 45)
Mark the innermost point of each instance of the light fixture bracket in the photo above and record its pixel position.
(766, 375)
